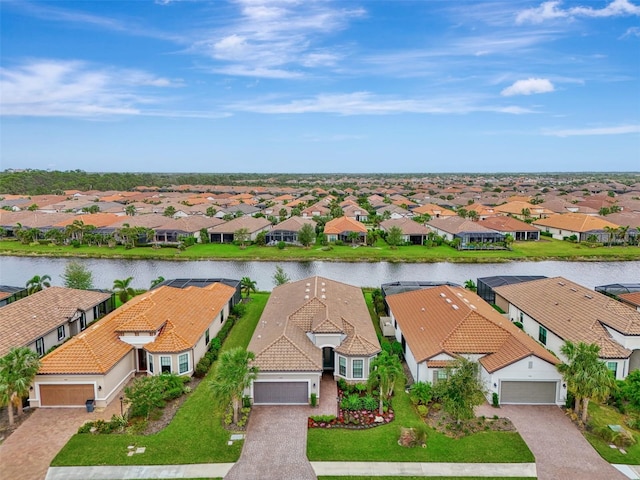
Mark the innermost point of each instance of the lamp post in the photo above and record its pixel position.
(121, 406)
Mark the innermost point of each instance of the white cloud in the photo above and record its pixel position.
(619, 130)
(552, 10)
(632, 32)
(277, 38)
(528, 87)
(367, 103)
(75, 89)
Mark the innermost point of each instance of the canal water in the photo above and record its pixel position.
(16, 271)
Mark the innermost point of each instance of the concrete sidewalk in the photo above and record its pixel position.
(209, 470)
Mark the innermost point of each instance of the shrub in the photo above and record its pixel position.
(214, 345)
(351, 402)
(246, 402)
(423, 410)
(239, 310)
(494, 400)
(314, 399)
(420, 393)
(519, 325)
(202, 367)
(342, 384)
(338, 243)
(369, 403)
(323, 418)
(360, 388)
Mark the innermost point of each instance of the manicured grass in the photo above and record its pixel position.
(195, 434)
(381, 443)
(544, 249)
(601, 416)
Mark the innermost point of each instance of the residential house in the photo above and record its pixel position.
(318, 210)
(518, 229)
(47, 318)
(173, 229)
(631, 299)
(584, 227)
(470, 234)
(412, 232)
(434, 211)
(288, 230)
(554, 310)
(356, 212)
(394, 212)
(485, 285)
(523, 210)
(309, 327)
(340, 229)
(163, 330)
(226, 232)
(438, 325)
(10, 294)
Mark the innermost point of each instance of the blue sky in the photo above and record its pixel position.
(320, 86)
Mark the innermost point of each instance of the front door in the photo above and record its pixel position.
(142, 360)
(328, 359)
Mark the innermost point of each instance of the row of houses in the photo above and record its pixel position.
(318, 326)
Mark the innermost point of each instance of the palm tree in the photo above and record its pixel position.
(585, 375)
(470, 285)
(123, 289)
(17, 370)
(353, 237)
(156, 282)
(130, 210)
(38, 283)
(247, 286)
(611, 231)
(622, 233)
(386, 369)
(472, 215)
(232, 376)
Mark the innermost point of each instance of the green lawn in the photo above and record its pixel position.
(542, 250)
(195, 435)
(603, 415)
(381, 443)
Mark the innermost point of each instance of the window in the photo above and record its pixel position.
(61, 333)
(521, 317)
(542, 335)
(150, 363)
(357, 366)
(442, 374)
(183, 362)
(40, 346)
(222, 317)
(342, 364)
(613, 367)
(83, 321)
(206, 337)
(165, 364)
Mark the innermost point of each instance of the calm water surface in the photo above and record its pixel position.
(16, 271)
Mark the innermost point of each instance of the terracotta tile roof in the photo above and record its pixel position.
(516, 207)
(250, 223)
(24, 321)
(574, 312)
(507, 224)
(434, 210)
(343, 224)
(293, 224)
(440, 363)
(183, 315)
(575, 222)
(95, 219)
(408, 226)
(456, 321)
(318, 305)
(631, 298)
(455, 225)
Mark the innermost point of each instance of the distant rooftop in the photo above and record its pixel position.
(409, 286)
(615, 289)
(197, 282)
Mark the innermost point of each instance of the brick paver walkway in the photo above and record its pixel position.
(561, 451)
(29, 450)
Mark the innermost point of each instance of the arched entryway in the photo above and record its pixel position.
(328, 359)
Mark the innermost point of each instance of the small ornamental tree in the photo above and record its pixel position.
(247, 286)
(37, 283)
(394, 237)
(76, 275)
(386, 369)
(123, 289)
(280, 277)
(461, 391)
(307, 235)
(232, 376)
(17, 370)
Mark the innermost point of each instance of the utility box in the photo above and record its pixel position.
(90, 404)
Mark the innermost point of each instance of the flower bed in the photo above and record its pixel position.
(351, 418)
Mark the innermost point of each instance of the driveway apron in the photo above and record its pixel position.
(561, 451)
(275, 446)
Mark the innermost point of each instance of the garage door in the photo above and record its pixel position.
(276, 393)
(528, 392)
(65, 395)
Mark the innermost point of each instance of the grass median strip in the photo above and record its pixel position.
(195, 435)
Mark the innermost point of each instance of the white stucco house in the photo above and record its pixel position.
(438, 325)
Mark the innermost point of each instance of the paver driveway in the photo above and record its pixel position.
(27, 453)
(276, 446)
(561, 452)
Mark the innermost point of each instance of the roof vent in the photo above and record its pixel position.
(308, 284)
(455, 307)
(561, 284)
(422, 309)
(448, 300)
(472, 306)
(323, 284)
(306, 290)
(306, 297)
(588, 296)
(459, 294)
(573, 289)
(443, 295)
(322, 290)
(323, 296)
